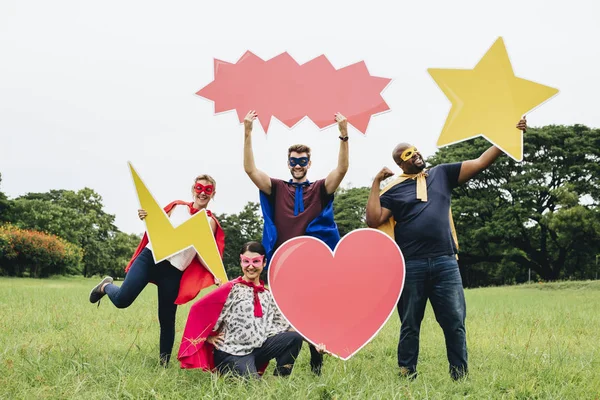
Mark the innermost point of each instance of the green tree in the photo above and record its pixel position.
(4, 204)
(25, 252)
(350, 208)
(541, 213)
(77, 217)
(122, 247)
(48, 217)
(239, 228)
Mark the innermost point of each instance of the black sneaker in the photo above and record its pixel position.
(315, 367)
(407, 373)
(96, 294)
(164, 360)
(459, 373)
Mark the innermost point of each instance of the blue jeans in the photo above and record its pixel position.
(437, 279)
(167, 278)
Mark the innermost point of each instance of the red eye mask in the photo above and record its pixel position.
(208, 189)
(256, 261)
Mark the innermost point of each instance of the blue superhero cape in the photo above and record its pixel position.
(323, 227)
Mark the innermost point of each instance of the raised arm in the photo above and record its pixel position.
(377, 215)
(260, 179)
(335, 177)
(470, 168)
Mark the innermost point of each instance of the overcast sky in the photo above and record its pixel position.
(87, 86)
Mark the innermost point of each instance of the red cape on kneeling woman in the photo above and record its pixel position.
(195, 351)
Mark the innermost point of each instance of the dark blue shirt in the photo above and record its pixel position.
(423, 228)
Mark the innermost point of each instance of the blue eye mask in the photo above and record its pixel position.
(302, 161)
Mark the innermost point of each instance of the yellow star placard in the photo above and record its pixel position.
(168, 240)
(488, 100)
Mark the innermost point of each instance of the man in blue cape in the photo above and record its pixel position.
(297, 207)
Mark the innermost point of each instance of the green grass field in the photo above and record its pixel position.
(531, 341)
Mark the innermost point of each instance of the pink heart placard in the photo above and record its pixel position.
(340, 299)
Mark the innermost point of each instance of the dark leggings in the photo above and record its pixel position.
(283, 347)
(167, 278)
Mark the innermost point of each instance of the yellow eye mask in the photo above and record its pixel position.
(408, 153)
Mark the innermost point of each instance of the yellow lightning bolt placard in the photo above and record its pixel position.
(167, 240)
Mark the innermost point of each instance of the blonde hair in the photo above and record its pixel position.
(205, 177)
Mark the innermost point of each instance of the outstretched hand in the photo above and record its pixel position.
(248, 120)
(322, 349)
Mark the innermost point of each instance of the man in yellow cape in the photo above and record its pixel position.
(414, 209)
(388, 226)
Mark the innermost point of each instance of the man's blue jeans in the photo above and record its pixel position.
(437, 279)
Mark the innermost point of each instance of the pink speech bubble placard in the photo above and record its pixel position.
(282, 88)
(343, 298)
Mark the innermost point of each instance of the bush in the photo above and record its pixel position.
(36, 254)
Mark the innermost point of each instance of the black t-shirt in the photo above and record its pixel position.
(423, 228)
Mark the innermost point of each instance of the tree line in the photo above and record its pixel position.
(76, 217)
(538, 216)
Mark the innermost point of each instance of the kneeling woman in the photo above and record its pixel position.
(179, 278)
(238, 328)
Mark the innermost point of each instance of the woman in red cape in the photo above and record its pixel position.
(179, 278)
(238, 328)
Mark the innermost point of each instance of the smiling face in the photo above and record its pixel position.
(252, 265)
(203, 192)
(409, 158)
(298, 163)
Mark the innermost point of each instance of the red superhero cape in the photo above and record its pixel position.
(196, 276)
(195, 351)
